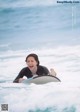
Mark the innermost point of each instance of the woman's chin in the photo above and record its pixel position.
(31, 68)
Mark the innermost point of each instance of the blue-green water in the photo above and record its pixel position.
(27, 24)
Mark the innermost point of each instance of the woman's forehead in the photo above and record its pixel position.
(31, 58)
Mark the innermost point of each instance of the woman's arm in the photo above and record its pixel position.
(46, 71)
(19, 77)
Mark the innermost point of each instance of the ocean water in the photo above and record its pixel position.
(51, 29)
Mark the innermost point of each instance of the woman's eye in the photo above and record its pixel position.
(28, 61)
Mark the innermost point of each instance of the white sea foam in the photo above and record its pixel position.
(65, 60)
(54, 95)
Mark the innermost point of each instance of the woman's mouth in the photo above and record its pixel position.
(31, 67)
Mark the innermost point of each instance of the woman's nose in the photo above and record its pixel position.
(30, 62)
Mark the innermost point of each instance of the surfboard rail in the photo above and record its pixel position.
(42, 79)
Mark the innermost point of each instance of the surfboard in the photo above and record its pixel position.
(42, 79)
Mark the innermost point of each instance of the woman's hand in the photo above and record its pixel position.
(20, 80)
(52, 72)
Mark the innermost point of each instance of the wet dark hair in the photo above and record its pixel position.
(34, 56)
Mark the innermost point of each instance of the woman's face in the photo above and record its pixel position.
(31, 63)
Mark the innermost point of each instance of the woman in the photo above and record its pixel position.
(32, 68)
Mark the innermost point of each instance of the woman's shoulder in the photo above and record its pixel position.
(43, 67)
(24, 69)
